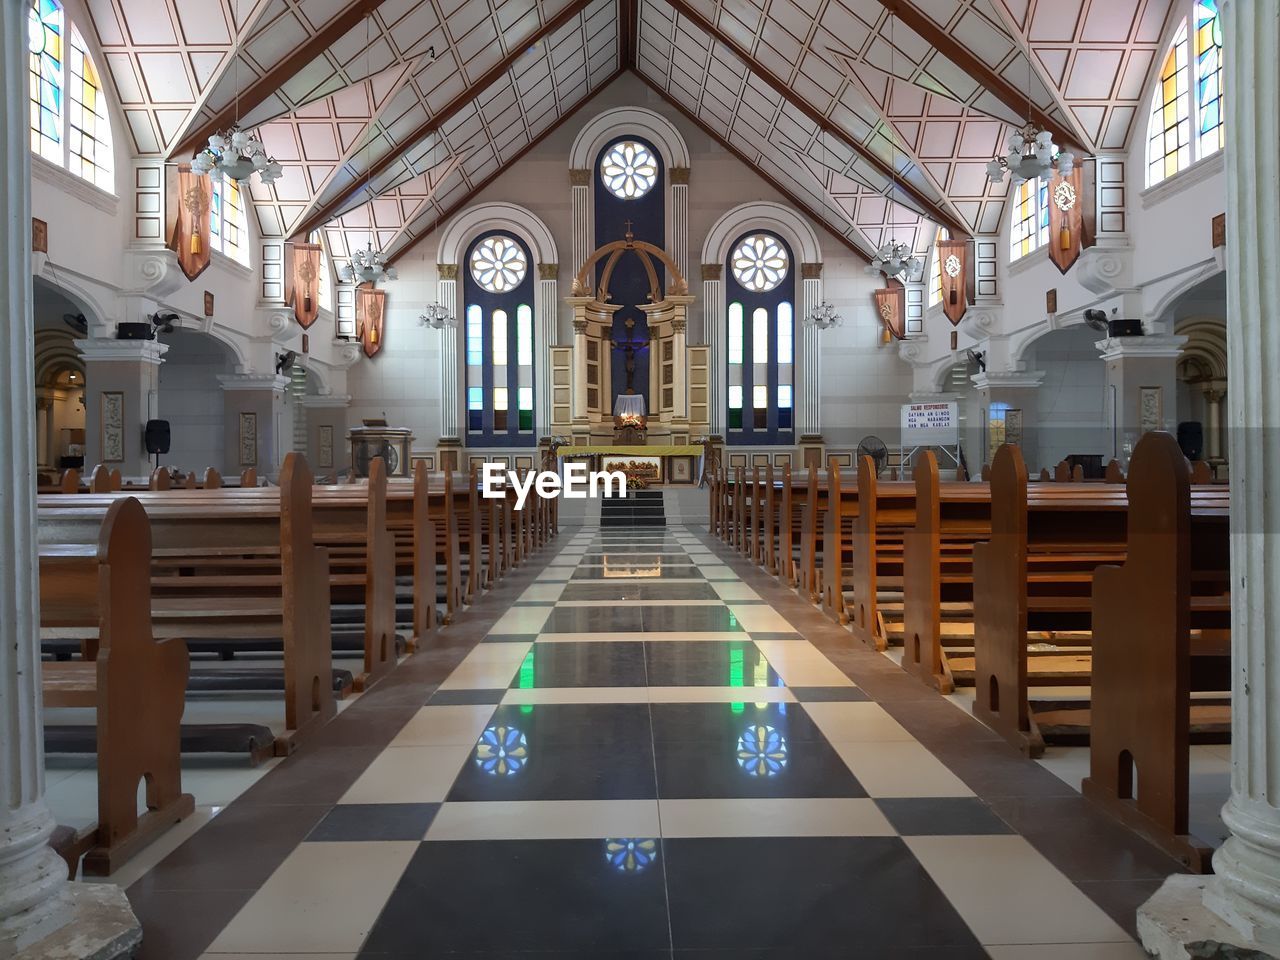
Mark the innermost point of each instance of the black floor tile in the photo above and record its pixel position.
(509, 897)
(725, 722)
(665, 572)
(825, 694)
(375, 821)
(816, 897)
(638, 590)
(708, 663)
(594, 620)
(700, 619)
(753, 762)
(460, 697)
(573, 724)
(941, 816)
(583, 664)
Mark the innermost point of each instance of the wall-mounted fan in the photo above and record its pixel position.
(977, 358)
(873, 447)
(163, 321)
(284, 361)
(1097, 320)
(77, 322)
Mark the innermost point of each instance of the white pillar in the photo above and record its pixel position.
(809, 396)
(450, 420)
(579, 371)
(36, 902)
(678, 229)
(713, 324)
(580, 186)
(1241, 902)
(680, 387)
(1213, 394)
(44, 417)
(545, 306)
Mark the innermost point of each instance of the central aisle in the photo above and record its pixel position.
(644, 759)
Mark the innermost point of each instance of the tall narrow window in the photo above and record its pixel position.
(1209, 76)
(1030, 228)
(1169, 133)
(45, 35)
(761, 340)
(226, 221)
(499, 348)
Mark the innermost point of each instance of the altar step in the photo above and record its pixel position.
(640, 508)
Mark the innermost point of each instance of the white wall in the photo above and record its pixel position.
(191, 400)
(1070, 414)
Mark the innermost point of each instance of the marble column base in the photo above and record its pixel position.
(96, 923)
(1175, 924)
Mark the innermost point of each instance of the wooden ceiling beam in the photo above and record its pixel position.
(475, 191)
(751, 165)
(628, 32)
(1004, 91)
(325, 213)
(275, 78)
(924, 205)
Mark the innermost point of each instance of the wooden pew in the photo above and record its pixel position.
(137, 684)
(289, 599)
(837, 541)
(70, 481)
(161, 479)
(886, 511)
(1161, 630)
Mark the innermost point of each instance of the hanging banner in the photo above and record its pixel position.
(190, 197)
(891, 308)
(302, 276)
(1066, 222)
(371, 306)
(953, 265)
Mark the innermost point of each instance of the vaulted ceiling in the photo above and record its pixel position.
(875, 116)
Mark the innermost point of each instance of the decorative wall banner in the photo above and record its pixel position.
(891, 308)
(248, 439)
(190, 200)
(371, 304)
(953, 263)
(302, 281)
(112, 427)
(1066, 221)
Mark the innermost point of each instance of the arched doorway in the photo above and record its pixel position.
(59, 381)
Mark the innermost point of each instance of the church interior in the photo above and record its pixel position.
(927, 342)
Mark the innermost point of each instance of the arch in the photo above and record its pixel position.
(762, 215)
(62, 283)
(646, 252)
(1206, 347)
(55, 351)
(637, 121)
(456, 237)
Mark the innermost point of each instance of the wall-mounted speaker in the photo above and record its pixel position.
(134, 331)
(156, 436)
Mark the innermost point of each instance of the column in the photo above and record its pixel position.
(678, 231)
(1011, 391)
(44, 420)
(326, 425)
(680, 385)
(1214, 393)
(450, 420)
(545, 307)
(1141, 389)
(583, 245)
(122, 383)
(1240, 904)
(39, 909)
(579, 371)
(809, 396)
(713, 322)
(253, 412)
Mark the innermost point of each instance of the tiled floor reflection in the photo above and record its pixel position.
(643, 758)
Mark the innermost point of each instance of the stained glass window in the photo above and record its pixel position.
(935, 268)
(761, 357)
(1169, 133)
(88, 129)
(1209, 76)
(1030, 228)
(629, 170)
(226, 221)
(499, 346)
(45, 36)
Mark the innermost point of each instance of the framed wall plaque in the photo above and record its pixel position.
(1219, 231)
(39, 236)
(1150, 408)
(208, 303)
(324, 455)
(248, 439)
(112, 427)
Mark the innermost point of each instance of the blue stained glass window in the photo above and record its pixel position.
(630, 854)
(502, 751)
(762, 751)
(760, 297)
(45, 34)
(1209, 76)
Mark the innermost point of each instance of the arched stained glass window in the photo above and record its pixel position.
(1187, 106)
(1030, 228)
(498, 349)
(1209, 76)
(1169, 134)
(70, 125)
(935, 268)
(761, 339)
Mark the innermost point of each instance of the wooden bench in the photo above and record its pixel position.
(837, 541)
(1161, 625)
(886, 511)
(137, 683)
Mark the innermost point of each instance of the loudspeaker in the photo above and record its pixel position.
(1121, 327)
(134, 331)
(157, 436)
(1191, 439)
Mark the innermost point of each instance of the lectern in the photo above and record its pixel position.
(376, 439)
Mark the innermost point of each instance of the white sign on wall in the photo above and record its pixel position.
(930, 424)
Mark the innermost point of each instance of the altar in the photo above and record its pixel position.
(675, 464)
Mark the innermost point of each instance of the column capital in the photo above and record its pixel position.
(712, 272)
(811, 271)
(1008, 379)
(579, 178)
(579, 325)
(1150, 347)
(134, 351)
(231, 382)
(447, 271)
(548, 271)
(679, 176)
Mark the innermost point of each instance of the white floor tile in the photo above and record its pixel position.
(409, 775)
(577, 695)
(855, 722)
(488, 666)
(522, 620)
(811, 817)
(545, 820)
(760, 618)
(734, 590)
(800, 664)
(1068, 951)
(443, 725)
(900, 769)
(541, 592)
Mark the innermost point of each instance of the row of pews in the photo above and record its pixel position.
(1078, 611)
(152, 601)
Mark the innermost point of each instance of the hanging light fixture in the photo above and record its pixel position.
(367, 265)
(894, 259)
(824, 316)
(1032, 152)
(234, 153)
(437, 317)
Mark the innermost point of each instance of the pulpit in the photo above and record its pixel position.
(375, 439)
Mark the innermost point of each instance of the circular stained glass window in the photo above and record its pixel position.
(760, 262)
(498, 264)
(629, 170)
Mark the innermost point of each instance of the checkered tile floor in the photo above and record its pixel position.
(644, 759)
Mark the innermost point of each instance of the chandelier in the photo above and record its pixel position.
(1032, 154)
(894, 259)
(824, 316)
(367, 267)
(236, 155)
(437, 317)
